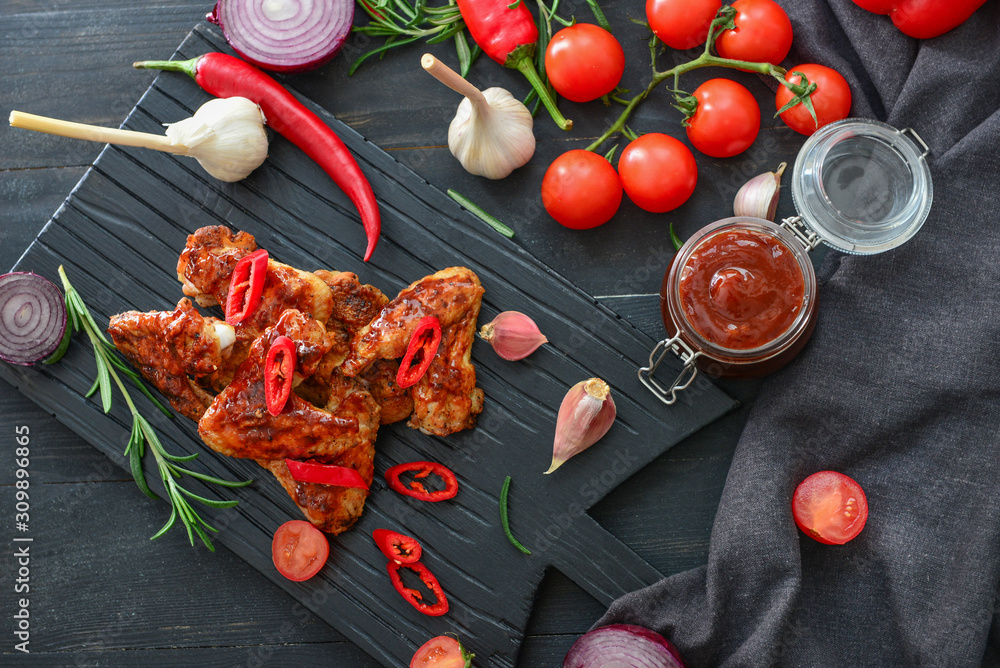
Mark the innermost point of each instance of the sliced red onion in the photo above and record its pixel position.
(285, 35)
(620, 646)
(32, 317)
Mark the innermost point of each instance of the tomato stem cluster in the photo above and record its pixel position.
(724, 21)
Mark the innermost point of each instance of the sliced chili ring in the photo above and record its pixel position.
(278, 371)
(246, 286)
(420, 351)
(325, 474)
(416, 488)
(397, 547)
(414, 597)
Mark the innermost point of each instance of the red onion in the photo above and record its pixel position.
(285, 35)
(32, 317)
(623, 645)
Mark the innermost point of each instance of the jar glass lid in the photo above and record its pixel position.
(863, 186)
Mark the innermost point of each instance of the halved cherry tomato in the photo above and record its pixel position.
(581, 190)
(763, 33)
(658, 172)
(299, 550)
(325, 474)
(423, 346)
(831, 99)
(727, 119)
(681, 24)
(584, 62)
(246, 286)
(442, 652)
(278, 371)
(830, 507)
(397, 547)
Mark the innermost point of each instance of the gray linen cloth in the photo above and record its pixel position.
(899, 389)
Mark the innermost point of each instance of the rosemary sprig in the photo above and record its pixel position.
(143, 434)
(477, 211)
(504, 521)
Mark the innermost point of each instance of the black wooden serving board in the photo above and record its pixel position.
(119, 234)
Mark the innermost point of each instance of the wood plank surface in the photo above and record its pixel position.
(69, 60)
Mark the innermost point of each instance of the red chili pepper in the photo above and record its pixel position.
(222, 75)
(397, 547)
(424, 342)
(325, 474)
(508, 34)
(924, 18)
(246, 286)
(278, 371)
(414, 597)
(416, 488)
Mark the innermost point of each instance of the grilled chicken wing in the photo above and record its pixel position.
(446, 399)
(173, 349)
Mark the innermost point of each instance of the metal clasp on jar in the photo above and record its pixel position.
(689, 371)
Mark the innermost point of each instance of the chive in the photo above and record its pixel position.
(482, 215)
(503, 517)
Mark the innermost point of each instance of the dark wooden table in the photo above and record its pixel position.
(100, 592)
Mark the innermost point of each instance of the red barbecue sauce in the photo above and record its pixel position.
(741, 289)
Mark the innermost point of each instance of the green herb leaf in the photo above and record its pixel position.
(674, 239)
(504, 491)
(482, 215)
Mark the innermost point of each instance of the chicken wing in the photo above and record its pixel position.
(446, 399)
(173, 349)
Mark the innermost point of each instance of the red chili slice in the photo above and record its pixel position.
(414, 597)
(278, 372)
(325, 474)
(423, 346)
(416, 488)
(246, 286)
(397, 547)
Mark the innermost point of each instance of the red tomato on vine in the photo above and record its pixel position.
(831, 100)
(584, 62)
(658, 172)
(681, 24)
(726, 121)
(763, 33)
(581, 190)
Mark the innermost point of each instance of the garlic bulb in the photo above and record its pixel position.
(491, 134)
(585, 415)
(758, 198)
(513, 335)
(225, 135)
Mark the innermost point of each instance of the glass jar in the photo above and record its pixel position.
(739, 298)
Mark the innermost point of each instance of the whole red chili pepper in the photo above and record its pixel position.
(923, 19)
(414, 597)
(246, 286)
(507, 33)
(416, 488)
(222, 75)
(423, 345)
(325, 474)
(278, 371)
(397, 547)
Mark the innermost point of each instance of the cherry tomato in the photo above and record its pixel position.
(830, 507)
(681, 24)
(658, 172)
(727, 120)
(442, 652)
(831, 99)
(581, 190)
(584, 62)
(763, 33)
(299, 550)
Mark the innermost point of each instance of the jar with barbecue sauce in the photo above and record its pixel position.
(739, 298)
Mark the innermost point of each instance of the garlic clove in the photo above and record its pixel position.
(585, 415)
(225, 135)
(758, 198)
(513, 335)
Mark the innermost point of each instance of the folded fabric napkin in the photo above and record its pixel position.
(899, 388)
